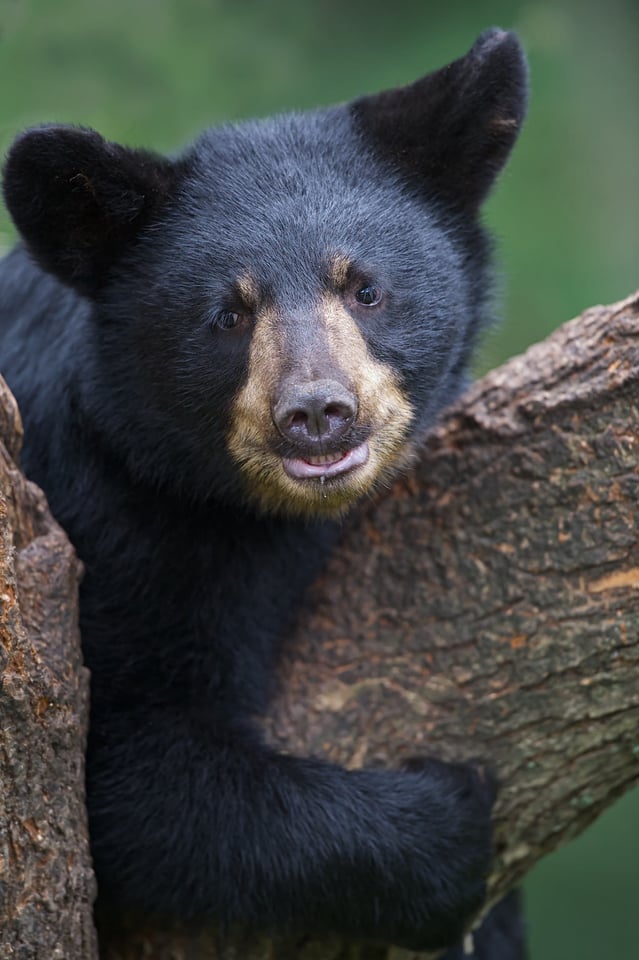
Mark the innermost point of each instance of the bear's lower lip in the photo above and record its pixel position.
(325, 466)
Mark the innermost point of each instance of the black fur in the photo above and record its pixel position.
(127, 385)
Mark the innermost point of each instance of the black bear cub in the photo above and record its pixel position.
(215, 355)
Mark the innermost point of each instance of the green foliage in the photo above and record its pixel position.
(154, 72)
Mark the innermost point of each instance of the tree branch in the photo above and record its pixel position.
(488, 606)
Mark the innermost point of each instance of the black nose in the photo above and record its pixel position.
(319, 411)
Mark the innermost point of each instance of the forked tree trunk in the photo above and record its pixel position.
(486, 607)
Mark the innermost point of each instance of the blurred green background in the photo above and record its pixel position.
(154, 72)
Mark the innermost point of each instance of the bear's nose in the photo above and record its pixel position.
(319, 411)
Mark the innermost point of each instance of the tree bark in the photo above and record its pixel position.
(486, 607)
(46, 881)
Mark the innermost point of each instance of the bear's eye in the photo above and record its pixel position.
(369, 296)
(226, 319)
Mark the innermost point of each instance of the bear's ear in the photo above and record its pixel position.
(79, 201)
(450, 133)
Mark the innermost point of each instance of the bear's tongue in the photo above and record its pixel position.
(328, 465)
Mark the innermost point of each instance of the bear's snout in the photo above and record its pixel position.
(315, 413)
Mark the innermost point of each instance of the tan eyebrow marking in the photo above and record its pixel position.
(247, 289)
(339, 269)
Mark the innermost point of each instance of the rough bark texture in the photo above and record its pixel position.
(46, 881)
(486, 607)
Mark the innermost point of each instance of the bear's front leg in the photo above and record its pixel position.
(209, 827)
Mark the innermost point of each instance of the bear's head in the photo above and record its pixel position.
(278, 313)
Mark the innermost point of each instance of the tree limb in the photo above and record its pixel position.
(488, 606)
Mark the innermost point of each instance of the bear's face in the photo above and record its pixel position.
(308, 324)
(287, 305)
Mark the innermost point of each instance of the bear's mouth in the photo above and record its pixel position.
(326, 465)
